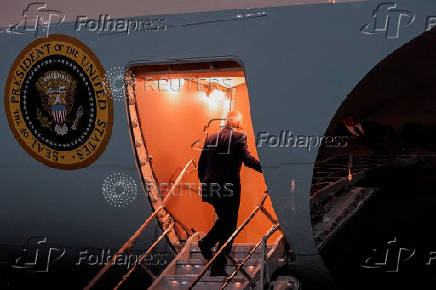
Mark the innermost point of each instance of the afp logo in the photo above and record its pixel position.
(387, 19)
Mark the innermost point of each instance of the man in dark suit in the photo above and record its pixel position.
(218, 170)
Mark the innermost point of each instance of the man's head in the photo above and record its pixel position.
(234, 119)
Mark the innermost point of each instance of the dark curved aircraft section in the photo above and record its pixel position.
(392, 164)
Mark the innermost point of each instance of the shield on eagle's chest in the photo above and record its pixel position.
(59, 113)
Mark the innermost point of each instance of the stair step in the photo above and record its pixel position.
(194, 266)
(238, 252)
(238, 256)
(206, 282)
(236, 248)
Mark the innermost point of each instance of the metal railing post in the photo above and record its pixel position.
(262, 242)
(124, 278)
(262, 265)
(235, 233)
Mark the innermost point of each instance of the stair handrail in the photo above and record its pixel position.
(124, 278)
(139, 231)
(262, 241)
(229, 240)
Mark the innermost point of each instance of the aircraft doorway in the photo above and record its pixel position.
(172, 107)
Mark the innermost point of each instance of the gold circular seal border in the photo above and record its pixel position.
(91, 159)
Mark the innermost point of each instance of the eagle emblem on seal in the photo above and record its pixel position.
(56, 89)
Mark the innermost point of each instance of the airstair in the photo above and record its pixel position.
(187, 266)
(250, 266)
(336, 196)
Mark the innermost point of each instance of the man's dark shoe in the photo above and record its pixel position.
(218, 272)
(206, 251)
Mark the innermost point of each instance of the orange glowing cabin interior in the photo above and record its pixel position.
(175, 104)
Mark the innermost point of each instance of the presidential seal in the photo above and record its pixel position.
(58, 103)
